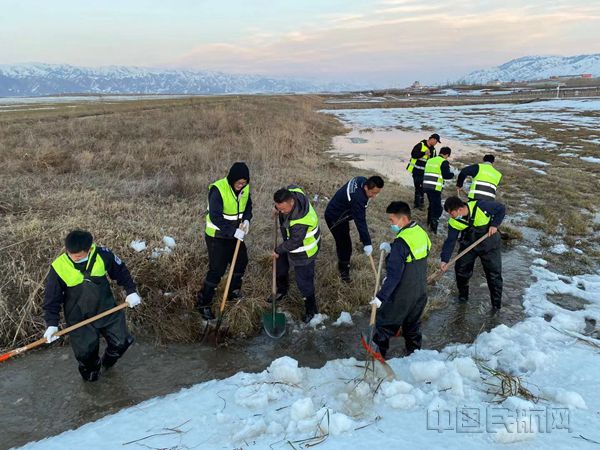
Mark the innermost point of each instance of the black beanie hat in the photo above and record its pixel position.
(238, 171)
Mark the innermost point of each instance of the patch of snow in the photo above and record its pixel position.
(169, 242)
(138, 246)
(317, 320)
(536, 162)
(559, 249)
(591, 159)
(344, 319)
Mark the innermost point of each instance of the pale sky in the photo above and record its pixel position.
(381, 42)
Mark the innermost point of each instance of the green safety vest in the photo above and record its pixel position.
(310, 244)
(477, 218)
(233, 206)
(417, 240)
(419, 163)
(66, 270)
(433, 174)
(485, 183)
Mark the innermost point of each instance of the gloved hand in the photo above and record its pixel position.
(133, 300)
(239, 234)
(48, 334)
(385, 247)
(245, 226)
(368, 249)
(375, 302)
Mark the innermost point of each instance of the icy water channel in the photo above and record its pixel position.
(43, 395)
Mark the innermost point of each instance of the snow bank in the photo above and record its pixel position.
(445, 399)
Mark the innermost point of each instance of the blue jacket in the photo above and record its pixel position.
(350, 203)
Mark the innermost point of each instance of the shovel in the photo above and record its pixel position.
(274, 322)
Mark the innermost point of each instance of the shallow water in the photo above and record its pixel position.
(43, 395)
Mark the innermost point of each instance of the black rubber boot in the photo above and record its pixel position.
(463, 291)
(205, 299)
(111, 356)
(279, 297)
(235, 291)
(310, 305)
(90, 372)
(235, 295)
(433, 226)
(344, 269)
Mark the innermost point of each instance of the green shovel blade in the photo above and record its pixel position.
(274, 323)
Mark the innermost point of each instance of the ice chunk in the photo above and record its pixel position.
(318, 320)
(169, 242)
(285, 370)
(402, 401)
(540, 262)
(302, 409)
(559, 249)
(138, 246)
(427, 370)
(344, 319)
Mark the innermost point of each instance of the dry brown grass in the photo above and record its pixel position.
(141, 171)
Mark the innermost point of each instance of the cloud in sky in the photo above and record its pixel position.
(385, 42)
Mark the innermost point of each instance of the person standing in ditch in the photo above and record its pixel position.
(484, 182)
(403, 294)
(227, 220)
(468, 222)
(299, 225)
(77, 280)
(437, 170)
(419, 156)
(350, 203)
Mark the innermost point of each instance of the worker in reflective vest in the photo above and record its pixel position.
(468, 222)
(484, 182)
(77, 280)
(419, 156)
(437, 170)
(299, 225)
(403, 294)
(227, 221)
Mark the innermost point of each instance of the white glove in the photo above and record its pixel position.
(385, 247)
(48, 334)
(239, 234)
(375, 302)
(245, 226)
(133, 300)
(368, 249)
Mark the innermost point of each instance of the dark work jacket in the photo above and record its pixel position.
(215, 210)
(350, 203)
(469, 171)
(297, 232)
(418, 153)
(496, 211)
(57, 293)
(404, 286)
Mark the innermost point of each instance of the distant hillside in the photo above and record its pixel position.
(50, 79)
(536, 68)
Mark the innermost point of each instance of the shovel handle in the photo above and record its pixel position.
(62, 332)
(230, 276)
(436, 274)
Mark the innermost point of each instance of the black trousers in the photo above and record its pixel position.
(220, 254)
(304, 274)
(434, 209)
(490, 254)
(410, 321)
(343, 243)
(418, 183)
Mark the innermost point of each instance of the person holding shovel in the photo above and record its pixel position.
(299, 225)
(350, 204)
(77, 280)
(469, 222)
(227, 220)
(403, 294)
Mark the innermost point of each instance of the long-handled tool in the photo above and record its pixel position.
(62, 332)
(274, 322)
(434, 276)
(223, 300)
(367, 343)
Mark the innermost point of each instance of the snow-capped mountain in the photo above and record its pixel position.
(536, 68)
(50, 79)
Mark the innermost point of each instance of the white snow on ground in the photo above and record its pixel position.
(168, 248)
(438, 400)
(169, 242)
(536, 162)
(317, 320)
(344, 319)
(538, 171)
(591, 159)
(138, 246)
(495, 126)
(559, 249)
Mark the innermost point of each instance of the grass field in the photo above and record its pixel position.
(140, 170)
